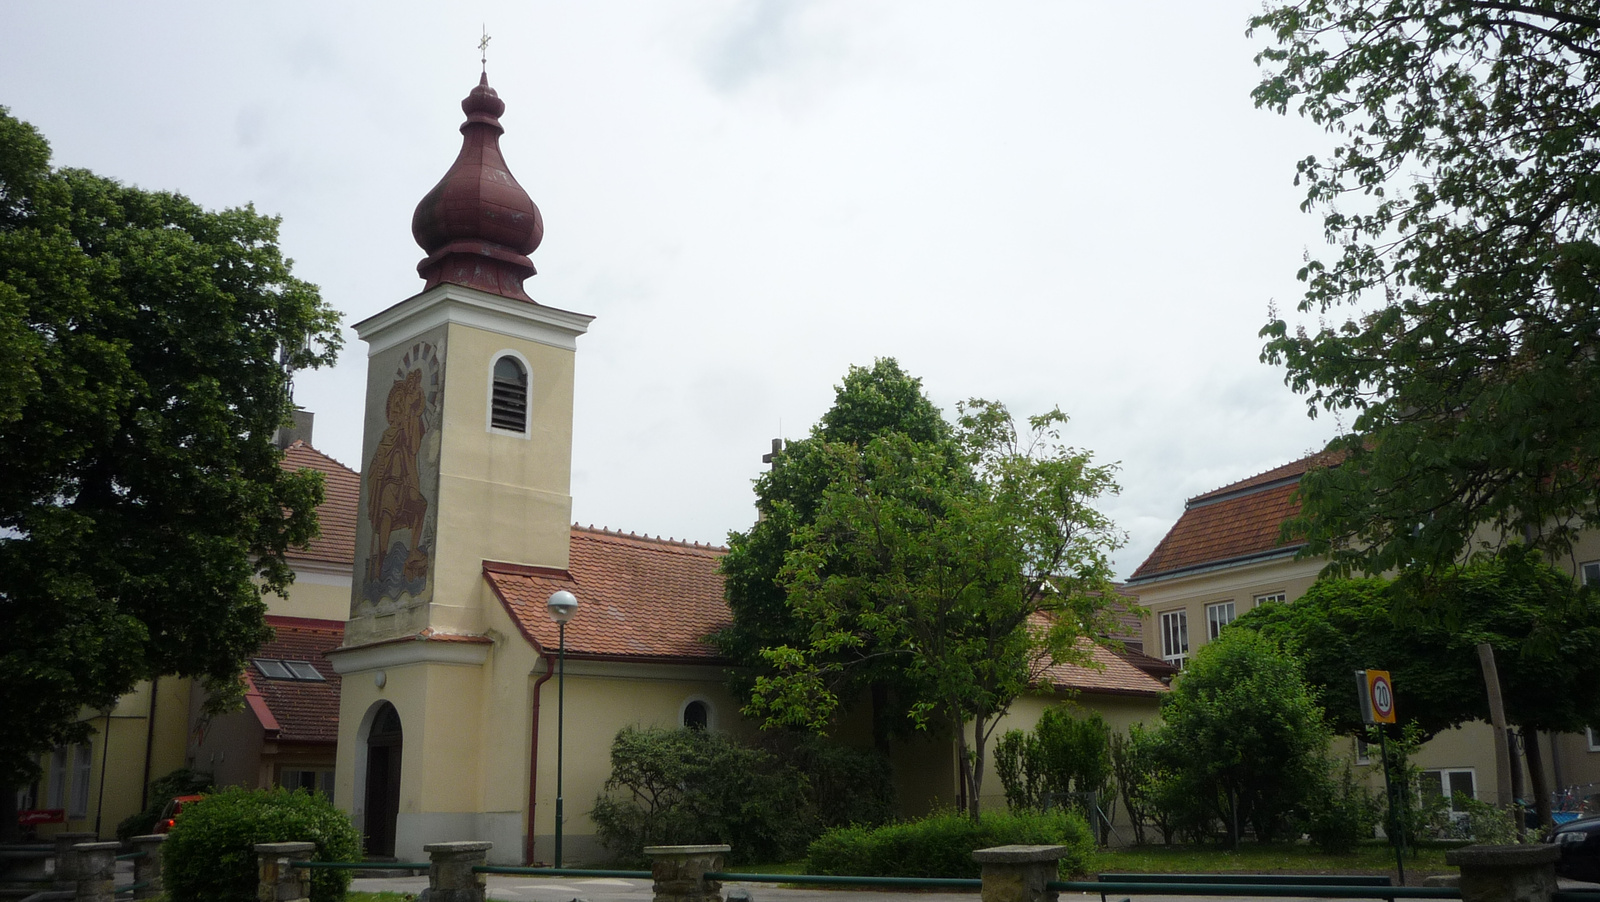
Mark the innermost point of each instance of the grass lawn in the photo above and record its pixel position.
(355, 896)
(1253, 858)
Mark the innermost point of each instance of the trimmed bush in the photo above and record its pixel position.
(941, 845)
(181, 782)
(1342, 814)
(210, 854)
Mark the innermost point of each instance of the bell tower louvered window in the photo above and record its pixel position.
(508, 402)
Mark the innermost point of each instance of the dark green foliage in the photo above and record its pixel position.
(1341, 814)
(143, 513)
(1137, 771)
(1019, 765)
(1244, 738)
(941, 845)
(210, 854)
(181, 782)
(670, 787)
(1464, 202)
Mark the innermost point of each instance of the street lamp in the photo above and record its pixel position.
(562, 605)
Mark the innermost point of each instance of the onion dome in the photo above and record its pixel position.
(477, 225)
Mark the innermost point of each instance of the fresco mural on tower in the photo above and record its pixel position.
(401, 485)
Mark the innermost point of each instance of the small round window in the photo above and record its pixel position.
(696, 715)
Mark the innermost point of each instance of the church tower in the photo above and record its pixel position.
(467, 458)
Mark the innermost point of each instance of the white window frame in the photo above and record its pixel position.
(1594, 739)
(711, 712)
(1177, 633)
(1214, 613)
(527, 412)
(1363, 752)
(1589, 573)
(82, 766)
(1444, 774)
(1271, 598)
(56, 795)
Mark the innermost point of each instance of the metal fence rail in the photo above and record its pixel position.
(834, 880)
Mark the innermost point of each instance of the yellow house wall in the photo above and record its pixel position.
(1242, 585)
(1119, 712)
(314, 594)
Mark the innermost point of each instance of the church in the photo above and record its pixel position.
(449, 716)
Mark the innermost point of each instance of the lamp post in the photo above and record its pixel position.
(562, 605)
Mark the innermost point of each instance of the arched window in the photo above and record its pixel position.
(697, 715)
(508, 396)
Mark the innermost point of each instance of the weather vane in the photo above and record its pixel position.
(483, 47)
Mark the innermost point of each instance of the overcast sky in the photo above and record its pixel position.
(1045, 203)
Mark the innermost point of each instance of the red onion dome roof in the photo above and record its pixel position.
(478, 225)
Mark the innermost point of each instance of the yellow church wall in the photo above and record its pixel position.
(502, 496)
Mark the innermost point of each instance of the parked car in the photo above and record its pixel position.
(169, 814)
(1580, 849)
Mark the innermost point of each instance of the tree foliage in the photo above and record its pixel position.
(1462, 199)
(1544, 631)
(870, 403)
(143, 512)
(1244, 737)
(964, 580)
(1061, 756)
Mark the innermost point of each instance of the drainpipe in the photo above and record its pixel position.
(149, 745)
(533, 755)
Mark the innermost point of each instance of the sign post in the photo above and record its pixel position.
(1377, 708)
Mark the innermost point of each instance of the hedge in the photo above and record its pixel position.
(941, 845)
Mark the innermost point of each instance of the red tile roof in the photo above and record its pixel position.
(1111, 675)
(1235, 523)
(337, 513)
(299, 710)
(639, 598)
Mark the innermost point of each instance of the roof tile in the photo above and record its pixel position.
(336, 514)
(304, 711)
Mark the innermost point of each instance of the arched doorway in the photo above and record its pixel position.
(383, 781)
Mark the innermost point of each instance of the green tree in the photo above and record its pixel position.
(1245, 736)
(966, 581)
(882, 400)
(143, 513)
(1544, 631)
(1464, 200)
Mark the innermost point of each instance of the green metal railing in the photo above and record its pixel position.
(832, 880)
(1246, 888)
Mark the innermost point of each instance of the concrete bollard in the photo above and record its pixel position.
(277, 881)
(450, 874)
(1506, 873)
(97, 870)
(66, 876)
(147, 869)
(1019, 873)
(679, 872)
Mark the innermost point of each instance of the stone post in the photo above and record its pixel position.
(450, 874)
(147, 870)
(1506, 873)
(1019, 873)
(278, 882)
(680, 872)
(97, 869)
(67, 859)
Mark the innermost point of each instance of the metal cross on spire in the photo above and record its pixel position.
(483, 48)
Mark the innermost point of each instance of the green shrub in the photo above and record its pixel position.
(670, 787)
(1342, 814)
(210, 854)
(941, 845)
(181, 782)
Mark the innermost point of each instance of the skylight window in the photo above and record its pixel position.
(275, 669)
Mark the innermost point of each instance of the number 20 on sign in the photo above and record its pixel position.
(1377, 696)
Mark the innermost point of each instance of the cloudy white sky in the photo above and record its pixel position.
(1046, 203)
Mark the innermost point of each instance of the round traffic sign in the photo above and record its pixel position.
(1382, 697)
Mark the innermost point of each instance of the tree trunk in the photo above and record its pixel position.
(977, 767)
(1536, 781)
(880, 717)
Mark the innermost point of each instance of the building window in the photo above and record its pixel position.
(1454, 784)
(1218, 616)
(508, 396)
(1363, 751)
(1594, 740)
(1269, 599)
(1589, 574)
(1175, 637)
(309, 780)
(81, 758)
(276, 669)
(56, 797)
(697, 715)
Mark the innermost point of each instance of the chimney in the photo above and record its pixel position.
(299, 431)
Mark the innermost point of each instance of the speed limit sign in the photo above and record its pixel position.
(1377, 696)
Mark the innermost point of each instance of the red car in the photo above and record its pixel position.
(169, 814)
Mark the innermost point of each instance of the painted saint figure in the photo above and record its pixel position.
(394, 493)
